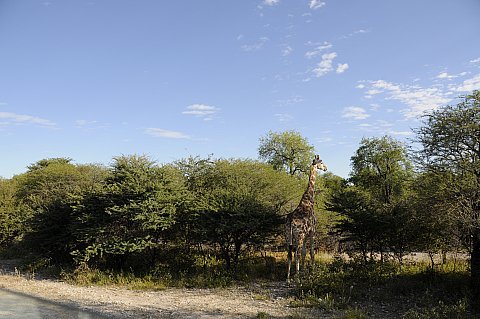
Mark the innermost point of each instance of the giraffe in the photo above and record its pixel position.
(300, 224)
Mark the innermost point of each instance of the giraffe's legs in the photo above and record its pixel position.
(304, 254)
(312, 250)
(297, 260)
(290, 248)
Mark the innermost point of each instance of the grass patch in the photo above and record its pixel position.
(458, 310)
(386, 287)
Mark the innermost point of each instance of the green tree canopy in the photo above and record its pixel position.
(12, 215)
(450, 143)
(242, 203)
(128, 212)
(376, 209)
(381, 165)
(45, 190)
(288, 151)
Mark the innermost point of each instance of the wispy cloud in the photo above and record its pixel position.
(162, 133)
(207, 112)
(271, 2)
(9, 118)
(90, 125)
(316, 4)
(445, 75)
(351, 34)
(419, 100)
(324, 140)
(355, 113)
(469, 84)
(400, 133)
(287, 50)
(283, 117)
(255, 46)
(383, 127)
(318, 50)
(360, 86)
(342, 68)
(294, 99)
(325, 66)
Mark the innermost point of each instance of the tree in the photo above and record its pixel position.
(377, 212)
(360, 225)
(245, 199)
(127, 213)
(45, 190)
(381, 166)
(438, 231)
(450, 142)
(287, 151)
(12, 215)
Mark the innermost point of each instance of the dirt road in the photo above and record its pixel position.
(112, 302)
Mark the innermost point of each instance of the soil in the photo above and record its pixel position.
(271, 300)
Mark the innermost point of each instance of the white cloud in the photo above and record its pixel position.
(255, 46)
(469, 85)
(477, 60)
(360, 86)
(201, 110)
(401, 133)
(355, 113)
(318, 50)
(419, 100)
(291, 100)
(325, 66)
(381, 84)
(287, 50)
(351, 34)
(283, 117)
(158, 132)
(27, 119)
(342, 68)
(444, 75)
(322, 140)
(271, 2)
(315, 4)
(83, 123)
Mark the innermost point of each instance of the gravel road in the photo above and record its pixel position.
(113, 302)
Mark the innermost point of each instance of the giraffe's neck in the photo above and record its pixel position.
(310, 192)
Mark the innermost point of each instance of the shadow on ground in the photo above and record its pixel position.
(15, 305)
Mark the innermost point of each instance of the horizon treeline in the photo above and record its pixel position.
(135, 214)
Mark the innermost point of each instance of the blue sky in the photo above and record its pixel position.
(91, 80)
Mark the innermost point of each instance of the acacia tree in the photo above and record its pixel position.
(128, 212)
(288, 151)
(237, 205)
(378, 214)
(12, 214)
(450, 141)
(45, 191)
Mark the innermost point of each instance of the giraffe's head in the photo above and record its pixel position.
(318, 163)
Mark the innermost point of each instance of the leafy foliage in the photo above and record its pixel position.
(287, 151)
(45, 192)
(128, 212)
(450, 146)
(12, 214)
(377, 213)
(244, 201)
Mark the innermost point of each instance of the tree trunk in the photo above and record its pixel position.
(226, 257)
